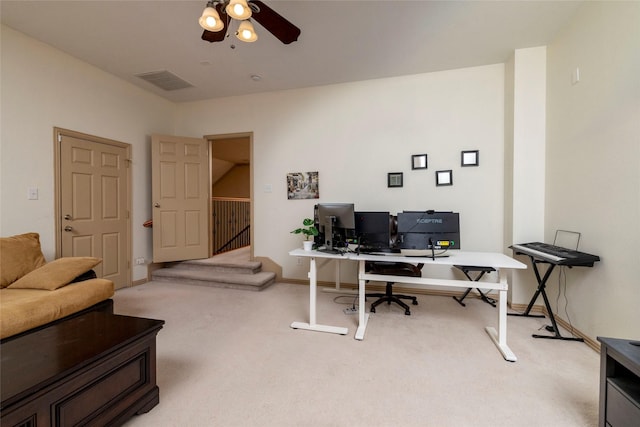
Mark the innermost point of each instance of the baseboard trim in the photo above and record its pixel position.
(139, 282)
(541, 309)
(593, 344)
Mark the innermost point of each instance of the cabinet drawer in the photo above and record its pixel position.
(622, 407)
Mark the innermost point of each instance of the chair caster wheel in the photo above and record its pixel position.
(373, 310)
(407, 313)
(415, 302)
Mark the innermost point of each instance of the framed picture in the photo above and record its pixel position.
(302, 185)
(470, 158)
(394, 179)
(419, 161)
(444, 177)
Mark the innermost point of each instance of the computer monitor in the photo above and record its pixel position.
(336, 224)
(428, 230)
(373, 230)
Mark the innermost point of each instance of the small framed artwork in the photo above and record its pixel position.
(470, 158)
(302, 185)
(444, 177)
(394, 179)
(419, 161)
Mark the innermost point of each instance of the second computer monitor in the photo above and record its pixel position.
(373, 230)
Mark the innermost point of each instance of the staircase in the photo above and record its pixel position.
(219, 271)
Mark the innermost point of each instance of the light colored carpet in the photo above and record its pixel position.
(229, 358)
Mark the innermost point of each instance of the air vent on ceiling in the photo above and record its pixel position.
(164, 80)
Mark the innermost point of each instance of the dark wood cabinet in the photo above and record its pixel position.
(619, 383)
(95, 369)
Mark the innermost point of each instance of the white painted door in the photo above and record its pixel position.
(181, 197)
(94, 204)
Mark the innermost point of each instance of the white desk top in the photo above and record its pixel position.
(484, 259)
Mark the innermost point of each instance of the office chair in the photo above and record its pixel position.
(397, 269)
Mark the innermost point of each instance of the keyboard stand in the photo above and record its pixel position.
(542, 283)
(466, 269)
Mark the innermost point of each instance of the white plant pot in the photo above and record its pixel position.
(307, 245)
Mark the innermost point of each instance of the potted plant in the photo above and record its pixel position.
(309, 230)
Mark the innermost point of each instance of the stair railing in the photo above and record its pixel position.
(231, 223)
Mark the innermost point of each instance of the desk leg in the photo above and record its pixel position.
(337, 289)
(500, 338)
(313, 290)
(363, 317)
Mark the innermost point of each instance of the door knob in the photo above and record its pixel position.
(68, 228)
(67, 217)
(156, 205)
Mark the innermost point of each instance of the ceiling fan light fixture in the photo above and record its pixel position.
(246, 33)
(210, 19)
(238, 9)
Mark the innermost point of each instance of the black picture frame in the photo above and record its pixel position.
(419, 161)
(444, 177)
(394, 179)
(470, 158)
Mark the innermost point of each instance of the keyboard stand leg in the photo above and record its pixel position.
(484, 297)
(542, 283)
(462, 297)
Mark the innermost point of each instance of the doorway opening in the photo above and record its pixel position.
(232, 192)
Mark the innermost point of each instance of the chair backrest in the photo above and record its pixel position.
(394, 268)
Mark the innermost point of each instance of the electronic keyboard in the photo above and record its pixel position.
(555, 254)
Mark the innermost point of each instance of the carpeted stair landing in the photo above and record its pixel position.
(222, 273)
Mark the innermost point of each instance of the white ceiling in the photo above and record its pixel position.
(341, 41)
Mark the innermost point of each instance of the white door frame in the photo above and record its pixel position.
(57, 139)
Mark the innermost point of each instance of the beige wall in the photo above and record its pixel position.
(355, 133)
(234, 183)
(43, 88)
(593, 164)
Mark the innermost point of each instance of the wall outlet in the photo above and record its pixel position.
(299, 260)
(140, 261)
(32, 193)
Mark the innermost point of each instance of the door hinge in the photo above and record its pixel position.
(127, 214)
(59, 137)
(128, 162)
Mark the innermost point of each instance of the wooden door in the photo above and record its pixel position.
(94, 203)
(181, 197)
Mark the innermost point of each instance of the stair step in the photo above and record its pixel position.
(212, 264)
(202, 277)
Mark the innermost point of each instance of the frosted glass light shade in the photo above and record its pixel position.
(246, 33)
(238, 9)
(210, 20)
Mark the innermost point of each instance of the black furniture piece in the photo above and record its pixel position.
(619, 382)
(396, 269)
(95, 369)
(541, 253)
(466, 269)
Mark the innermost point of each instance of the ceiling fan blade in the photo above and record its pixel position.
(273, 22)
(217, 36)
(212, 36)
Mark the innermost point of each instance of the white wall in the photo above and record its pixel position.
(354, 134)
(525, 148)
(593, 164)
(43, 88)
(592, 159)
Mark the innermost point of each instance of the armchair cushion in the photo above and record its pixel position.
(19, 255)
(56, 274)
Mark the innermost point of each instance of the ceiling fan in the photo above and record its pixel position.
(218, 16)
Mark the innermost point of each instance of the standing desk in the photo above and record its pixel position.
(312, 325)
(500, 262)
